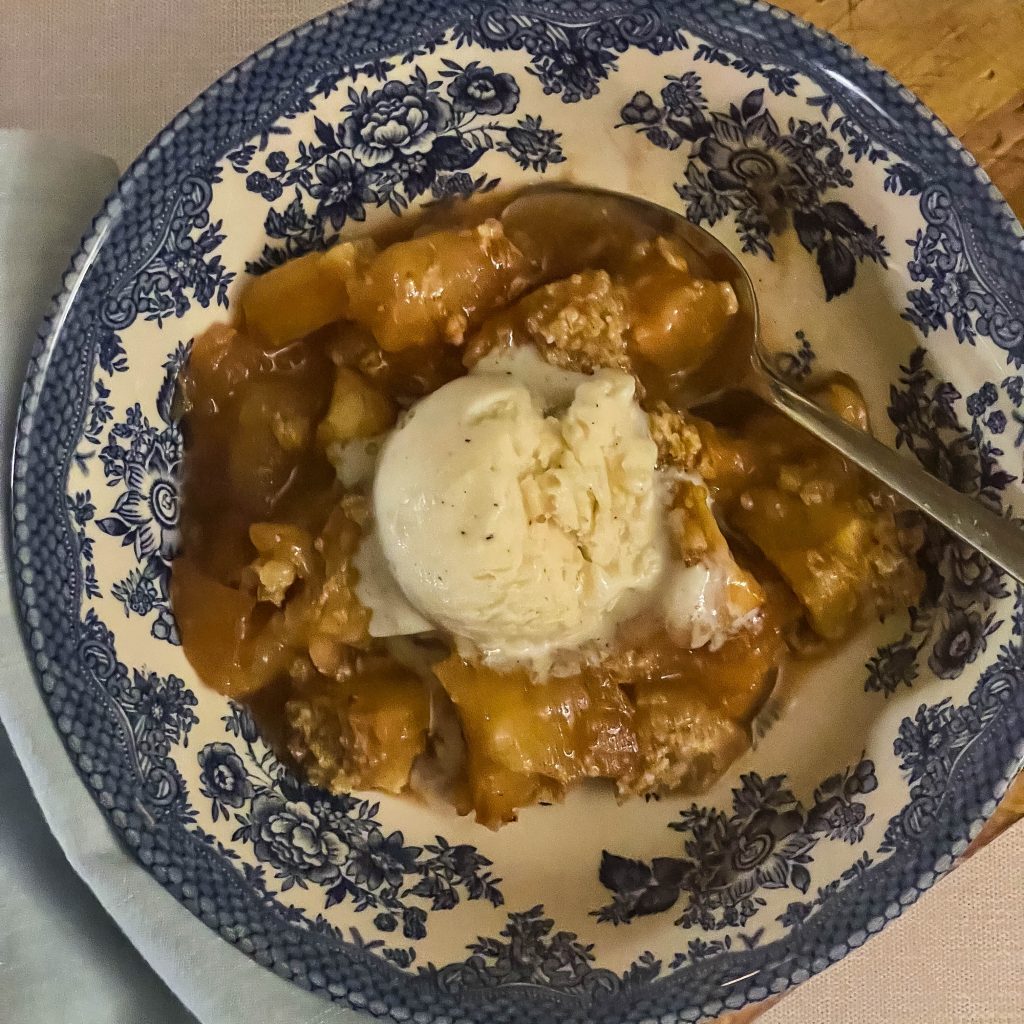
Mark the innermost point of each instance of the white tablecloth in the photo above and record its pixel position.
(107, 74)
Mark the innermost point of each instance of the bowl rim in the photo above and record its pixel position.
(862, 86)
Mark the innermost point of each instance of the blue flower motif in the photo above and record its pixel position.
(277, 161)
(483, 91)
(171, 445)
(683, 95)
(923, 740)
(394, 144)
(100, 412)
(397, 119)
(448, 186)
(287, 835)
(662, 139)
(82, 507)
(797, 365)
(417, 171)
(223, 778)
(575, 71)
(111, 355)
(136, 592)
(970, 577)
(903, 179)
(161, 708)
(166, 628)
(256, 182)
(146, 514)
(764, 844)
(414, 923)
(312, 837)
(529, 952)
(242, 724)
(571, 61)
(794, 914)
(839, 819)
(341, 190)
(953, 289)
(743, 163)
(780, 80)
(531, 145)
(763, 853)
(184, 269)
(893, 666)
(751, 157)
(930, 744)
(985, 396)
(749, 154)
(962, 639)
(385, 922)
(378, 859)
(269, 188)
(949, 625)
(954, 295)
(996, 422)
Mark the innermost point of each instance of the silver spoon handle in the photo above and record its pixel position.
(999, 539)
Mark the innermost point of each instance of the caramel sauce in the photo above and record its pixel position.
(332, 347)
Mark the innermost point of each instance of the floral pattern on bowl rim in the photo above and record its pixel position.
(855, 211)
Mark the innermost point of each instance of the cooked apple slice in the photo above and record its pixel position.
(527, 741)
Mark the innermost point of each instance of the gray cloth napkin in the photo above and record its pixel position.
(62, 959)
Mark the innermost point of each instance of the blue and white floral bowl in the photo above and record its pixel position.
(879, 248)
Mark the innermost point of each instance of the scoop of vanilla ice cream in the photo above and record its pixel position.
(696, 605)
(523, 534)
(552, 387)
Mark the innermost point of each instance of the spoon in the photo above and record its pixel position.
(999, 539)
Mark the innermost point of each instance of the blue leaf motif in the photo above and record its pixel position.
(838, 268)
(800, 877)
(752, 104)
(324, 132)
(113, 526)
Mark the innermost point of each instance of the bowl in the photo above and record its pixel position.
(878, 248)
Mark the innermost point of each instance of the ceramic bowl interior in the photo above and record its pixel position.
(878, 248)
